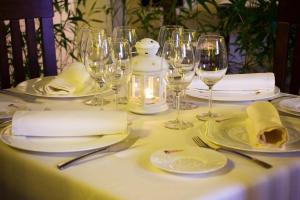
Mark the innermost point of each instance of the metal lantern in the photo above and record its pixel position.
(147, 87)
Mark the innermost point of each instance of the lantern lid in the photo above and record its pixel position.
(146, 59)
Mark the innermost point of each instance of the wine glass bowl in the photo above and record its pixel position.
(211, 58)
(165, 34)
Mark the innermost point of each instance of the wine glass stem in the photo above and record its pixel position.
(116, 98)
(177, 102)
(209, 113)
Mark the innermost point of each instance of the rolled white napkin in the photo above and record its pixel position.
(264, 125)
(254, 82)
(68, 123)
(292, 104)
(73, 79)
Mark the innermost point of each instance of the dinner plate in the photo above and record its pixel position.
(35, 87)
(190, 160)
(58, 144)
(233, 95)
(232, 134)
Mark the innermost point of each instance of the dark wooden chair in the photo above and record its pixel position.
(11, 40)
(288, 79)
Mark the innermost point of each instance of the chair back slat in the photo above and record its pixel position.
(48, 47)
(34, 69)
(295, 73)
(287, 71)
(281, 54)
(4, 67)
(16, 43)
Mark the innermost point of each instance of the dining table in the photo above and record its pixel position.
(130, 174)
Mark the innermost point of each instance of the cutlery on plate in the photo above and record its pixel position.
(117, 147)
(202, 143)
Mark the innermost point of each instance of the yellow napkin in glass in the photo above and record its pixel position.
(264, 125)
(74, 79)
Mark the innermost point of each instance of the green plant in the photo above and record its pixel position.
(75, 16)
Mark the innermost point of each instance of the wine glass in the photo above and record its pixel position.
(165, 34)
(180, 61)
(189, 35)
(119, 71)
(95, 53)
(211, 58)
(127, 33)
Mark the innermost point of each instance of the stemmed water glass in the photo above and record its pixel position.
(119, 71)
(179, 58)
(95, 53)
(211, 59)
(191, 36)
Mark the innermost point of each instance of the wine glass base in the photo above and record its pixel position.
(122, 100)
(96, 102)
(175, 124)
(206, 116)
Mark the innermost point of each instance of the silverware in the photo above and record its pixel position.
(120, 146)
(201, 143)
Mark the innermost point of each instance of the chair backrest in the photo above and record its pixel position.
(11, 40)
(288, 17)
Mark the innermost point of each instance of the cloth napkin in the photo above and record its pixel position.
(240, 83)
(72, 80)
(68, 123)
(292, 104)
(264, 125)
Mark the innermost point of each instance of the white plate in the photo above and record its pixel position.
(191, 160)
(35, 87)
(58, 145)
(233, 134)
(233, 96)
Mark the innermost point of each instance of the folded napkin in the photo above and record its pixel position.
(68, 123)
(264, 125)
(73, 79)
(255, 82)
(292, 104)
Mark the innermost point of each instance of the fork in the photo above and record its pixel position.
(201, 143)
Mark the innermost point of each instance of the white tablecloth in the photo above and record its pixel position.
(129, 175)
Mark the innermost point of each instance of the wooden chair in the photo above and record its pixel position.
(288, 15)
(12, 11)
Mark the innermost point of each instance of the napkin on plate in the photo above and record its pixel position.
(240, 83)
(73, 79)
(292, 104)
(264, 125)
(68, 123)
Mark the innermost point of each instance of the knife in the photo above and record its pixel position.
(117, 147)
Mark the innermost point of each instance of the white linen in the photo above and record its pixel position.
(264, 125)
(292, 104)
(254, 82)
(73, 79)
(68, 123)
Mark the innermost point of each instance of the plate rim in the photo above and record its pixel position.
(31, 82)
(282, 109)
(253, 149)
(3, 137)
(225, 160)
(193, 93)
